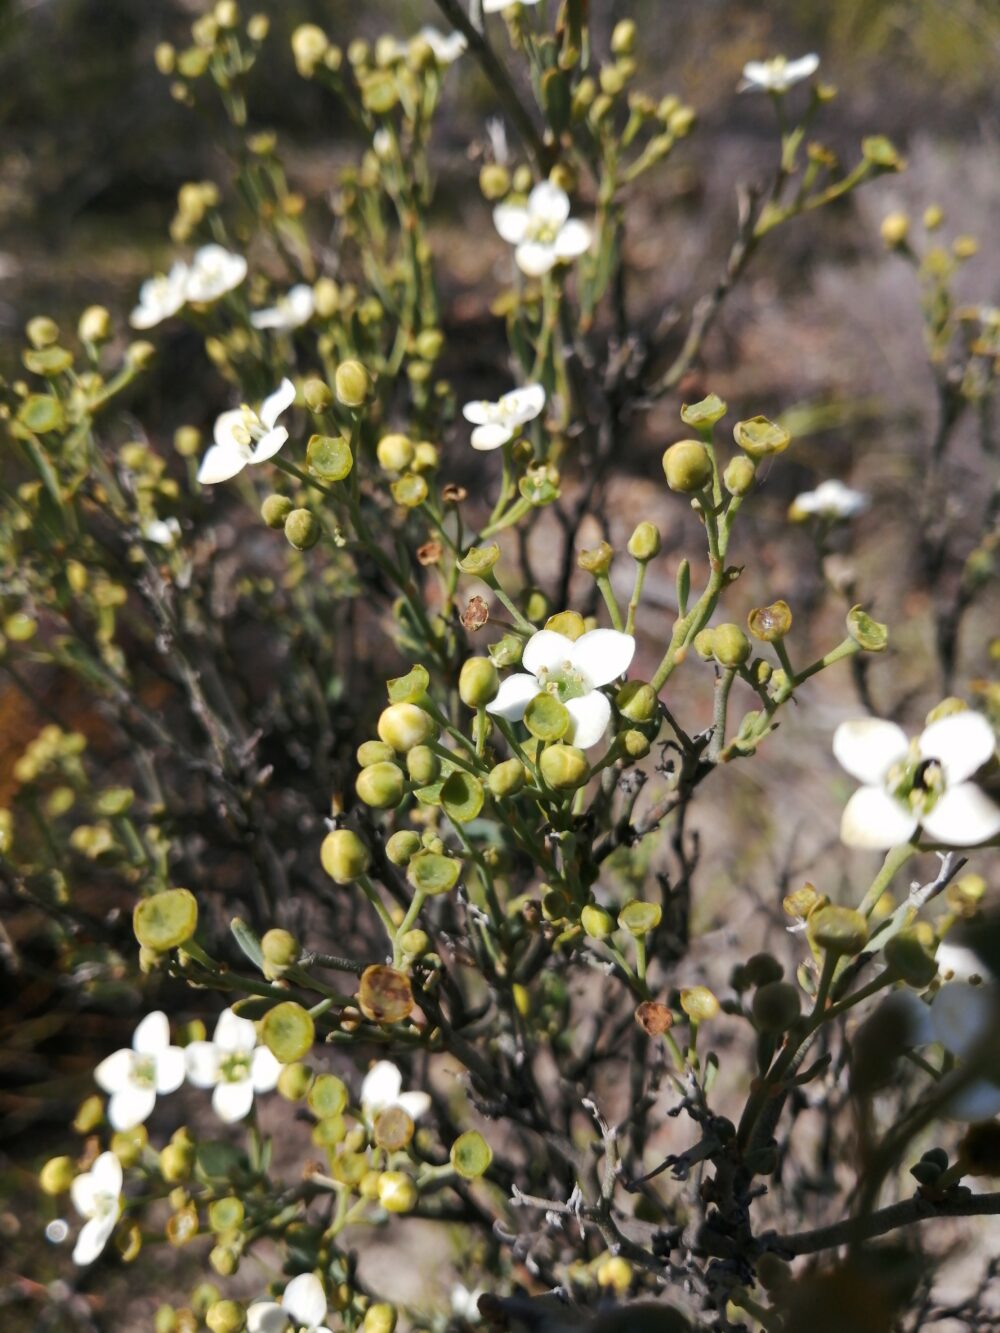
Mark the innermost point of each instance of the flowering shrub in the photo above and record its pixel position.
(478, 886)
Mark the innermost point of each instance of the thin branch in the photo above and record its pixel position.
(896, 1215)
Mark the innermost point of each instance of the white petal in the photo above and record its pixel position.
(416, 1103)
(513, 697)
(963, 1016)
(130, 1107)
(305, 1300)
(266, 1317)
(202, 1060)
(978, 1100)
(523, 404)
(300, 304)
(170, 1070)
(547, 650)
(873, 820)
(573, 239)
(535, 259)
(83, 1193)
(152, 1035)
(964, 816)
(271, 318)
(490, 436)
(276, 403)
(480, 412)
(511, 221)
(106, 1175)
(221, 462)
(869, 747)
(381, 1086)
(756, 74)
(232, 1101)
(271, 443)
(591, 715)
(602, 655)
(234, 1034)
(548, 203)
(115, 1071)
(802, 68)
(961, 743)
(265, 1069)
(92, 1239)
(956, 963)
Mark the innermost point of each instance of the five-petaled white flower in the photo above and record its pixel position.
(573, 671)
(921, 784)
(96, 1196)
(542, 230)
(134, 1077)
(214, 271)
(494, 6)
(243, 436)
(233, 1064)
(303, 1304)
(778, 74)
(447, 47)
(496, 423)
(290, 311)
(160, 297)
(962, 1018)
(382, 1088)
(160, 531)
(830, 500)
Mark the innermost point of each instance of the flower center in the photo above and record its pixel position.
(542, 231)
(234, 1068)
(564, 682)
(143, 1071)
(105, 1205)
(251, 428)
(916, 782)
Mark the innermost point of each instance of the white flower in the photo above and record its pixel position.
(233, 1064)
(958, 963)
(494, 6)
(160, 297)
(542, 230)
(831, 500)
(496, 132)
(213, 272)
(303, 1304)
(447, 47)
(496, 423)
(917, 785)
(573, 671)
(160, 531)
(243, 436)
(465, 1303)
(134, 1077)
(96, 1196)
(382, 1087)
(961, 1018)
(291, 311)
(777, 74)
(382, 143)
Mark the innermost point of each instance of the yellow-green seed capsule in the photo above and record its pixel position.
(687, 466)
(494, 181)
(402, 846)
(423, 765)
(316, 394)
(636, 700)
(128, 1145)
(404, 725)
(281, 951)
(907, 956)
(94, 325)
(596, 561)
(707, 411)
(623, 37)
(177, 1162)
(294, 1081)
(379, 1318)
(165, 920)
(309, 46)
(699, 1004)
(352, 383)
(302, 529)
(471, 1155)
(288, 1031)
(776, 1006)
(704, 644)
(478, 682)
(226, 1317)
(760, 438)
(639, 918)
(374, 752)
(568, 623)
(381, 786)
(507, 778)
(42, 331)
(645, 542)
(343, 855)
(739, 474)
(564, 767)
(770, 623)
(840, 930)
(730, 645)
(597, 922)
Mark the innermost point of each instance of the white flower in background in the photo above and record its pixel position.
(213, 272)
(542, 230)
(496, 132)
(382, 1088)
(447, 47)
(958, 963)
(962, 1018)
(160, 531)
(465, 1303)
(290, 311)
(778, 74)
(496, 423)
(134, 1077)
(495, 6)
(160, 297)
(921, 784)
(96, 1196)
(233, 1064)
(382, 143)
(303, 1305)
(572, 671)
(243, 436)
(830, 500)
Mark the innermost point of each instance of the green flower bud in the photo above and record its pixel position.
(379, 1318)
(776, 1006)
(637, 701)
(801, 902)
(281, 951)
(423, 765)
(868, 634)
(89, 1115)
(760, 969)
(840, 930)
(415, 943)
(177, 1162)
(402, 846)
(379, 92)
(309, 46)
(478, 682)
(704, 644)
(275, 510)
(381, 786)
(639, 918)
(760, 438)
(708, 410)
(699, 1004)
(226, 1214)
(432, 872)
(128, 1145)
(327, 1097)
(506, 652)
(494, 181)
(288, 1032)
(294, 1081)
(597, 922)
(394, 452)
(770, 623)
(226, 1317)
(471, 1155)
(546, 718)
(42, 331)
(317, 394)
(507, 778)
(165, 920)
(634, 743)
(462, 796)
(396, 1192)
(568, 623)
(343, 855)
(730, 645)
(907, 957)
(623, 37)
(596, 561)
(374, 752)
(564, 767)
(187, 441)
(56, 1175)
(302, 529)
(425, 456)
(645, 542)
(329, 457)
(139, 355)
(94, 325)
(404, 725)
(878, 150)
(352, 383)
(687, 466)
(739, 474)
